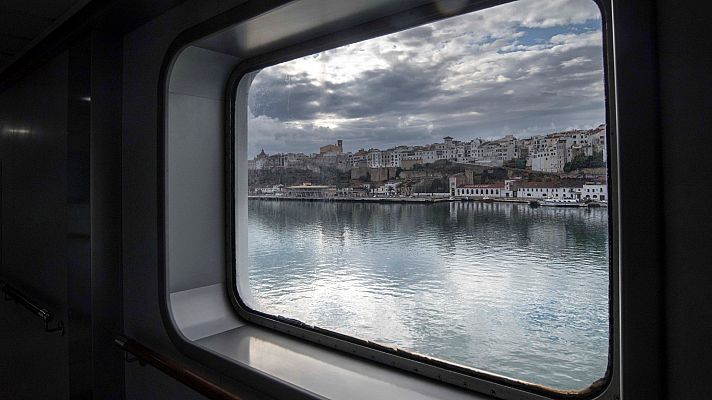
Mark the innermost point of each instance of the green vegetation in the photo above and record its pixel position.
(432, 185)
(518, 163)
(295, 176)
(583, 161)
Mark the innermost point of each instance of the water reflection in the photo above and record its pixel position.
(506, 288)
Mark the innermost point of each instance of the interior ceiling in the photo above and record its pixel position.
(298, 21)
(23, 22)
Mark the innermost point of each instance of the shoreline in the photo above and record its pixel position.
(418, 200)
(423, 200)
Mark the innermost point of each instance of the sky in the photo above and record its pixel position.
(523, 68)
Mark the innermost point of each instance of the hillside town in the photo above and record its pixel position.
(561, 165)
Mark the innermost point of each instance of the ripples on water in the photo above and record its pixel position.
(509, 289)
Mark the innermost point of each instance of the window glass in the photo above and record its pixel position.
(359, 158)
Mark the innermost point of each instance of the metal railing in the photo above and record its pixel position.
(174, 369)
(11, 293)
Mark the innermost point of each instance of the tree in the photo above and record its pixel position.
(583, 161)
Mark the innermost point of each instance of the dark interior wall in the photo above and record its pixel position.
(60, 152)
(641, 235)
(684, 59)
(78, 243)
(33, 153)
(105, 181)
(144, 50)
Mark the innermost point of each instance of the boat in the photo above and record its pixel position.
(487, 200)
(561, 203)
(596, 203)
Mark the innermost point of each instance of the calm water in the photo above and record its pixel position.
(505, 288)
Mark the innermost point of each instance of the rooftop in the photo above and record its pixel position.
(552, 184)
(497, 185)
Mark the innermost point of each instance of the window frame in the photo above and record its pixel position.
(481, 381)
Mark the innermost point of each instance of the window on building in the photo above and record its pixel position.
(507, 292)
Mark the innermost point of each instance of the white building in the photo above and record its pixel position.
(547, 154)
(276, 190)
(359, 159)
(389, 189)
(307, 190)
(494, 190)
(598, 141)
(550, 153)
(493, 152)
(595, 191)
(374, 158)
(549, 190)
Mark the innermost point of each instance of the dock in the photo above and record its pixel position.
(417, 200)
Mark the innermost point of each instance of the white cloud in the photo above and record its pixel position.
(575, 62)
(544, 13)
(467, 76)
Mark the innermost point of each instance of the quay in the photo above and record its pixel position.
(419, 200)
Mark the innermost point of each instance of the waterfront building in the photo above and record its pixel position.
(510, 187)
(548, 190)
(307, 190)
(492, 190)
(388, 189)
(345, 192)
(595, 191)
(276, 190)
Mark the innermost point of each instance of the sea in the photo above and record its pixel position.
(500, 287)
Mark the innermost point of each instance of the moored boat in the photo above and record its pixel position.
(561, 203)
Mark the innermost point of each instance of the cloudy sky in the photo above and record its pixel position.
(524, 68)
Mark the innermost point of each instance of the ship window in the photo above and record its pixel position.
(327, 248)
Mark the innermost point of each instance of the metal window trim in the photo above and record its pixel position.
(250, 376)
(637, 309)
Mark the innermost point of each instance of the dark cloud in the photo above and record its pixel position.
(471, 76)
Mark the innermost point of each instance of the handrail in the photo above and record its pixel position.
(174, 369)
(11, 293)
